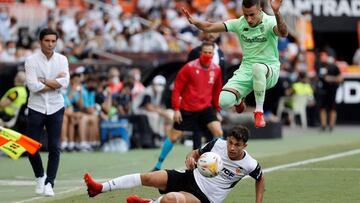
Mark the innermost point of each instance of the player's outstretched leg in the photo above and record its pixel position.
(94, 188)
(259, 83)
(137, 199)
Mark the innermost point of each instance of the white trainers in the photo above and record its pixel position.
(40, 185)
(48, 191)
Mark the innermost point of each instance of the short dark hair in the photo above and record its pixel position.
(250, 3)
(47, 31)
(240, 133)
(207, 43)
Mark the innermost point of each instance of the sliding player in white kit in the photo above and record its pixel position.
(190, 186)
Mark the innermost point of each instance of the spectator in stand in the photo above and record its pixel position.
(91, 118)
(329, 80)
(8, 55)
(138, 86)
(72, 117)
(115, 84)
(194, 99)
(150, 104)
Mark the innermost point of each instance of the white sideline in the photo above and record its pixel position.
(266, 170)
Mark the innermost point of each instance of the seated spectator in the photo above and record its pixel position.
(14, 98)
(9, 54)
(151, 106)
(91, 118)
(138, 87)
(115, 84)
(72, 117)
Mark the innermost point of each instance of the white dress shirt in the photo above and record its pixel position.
(37, 67)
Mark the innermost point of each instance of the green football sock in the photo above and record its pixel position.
(259, 83)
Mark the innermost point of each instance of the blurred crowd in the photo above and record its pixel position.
(99, 99)
(145, 26)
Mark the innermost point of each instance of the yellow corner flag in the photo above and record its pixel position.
(15, 144)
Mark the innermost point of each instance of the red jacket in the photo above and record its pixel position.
(197, 88)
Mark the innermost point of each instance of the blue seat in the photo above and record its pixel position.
(111, 129)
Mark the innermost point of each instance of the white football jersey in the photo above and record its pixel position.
(218, 187)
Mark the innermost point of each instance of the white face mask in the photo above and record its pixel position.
(331, 60)
(159, 88)
(11, 51)
(115, 80)
(137, 77)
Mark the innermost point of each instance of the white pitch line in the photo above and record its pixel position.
(267, 170)
(322, 169)
(309, 161)
(41, 197)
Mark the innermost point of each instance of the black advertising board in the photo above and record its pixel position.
(328, 15)
(348, 101)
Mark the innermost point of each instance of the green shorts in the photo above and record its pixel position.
(242, 80)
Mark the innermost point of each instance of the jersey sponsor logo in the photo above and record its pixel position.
(228, 174)
(255, 39)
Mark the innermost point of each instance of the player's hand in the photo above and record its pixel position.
(177, 116)
(188, 15)
(190, 162)
(275, 5)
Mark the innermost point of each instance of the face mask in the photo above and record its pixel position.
(330, 60)
(3, 16)
(159, 88)
(137, 77)
(11, 51)
(205, 59)
(115, 80)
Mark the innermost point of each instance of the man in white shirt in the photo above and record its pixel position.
(189, 185)
(47, 72)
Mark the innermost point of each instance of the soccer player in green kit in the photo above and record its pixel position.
(258, 34)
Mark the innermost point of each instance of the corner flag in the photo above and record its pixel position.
(15, 144)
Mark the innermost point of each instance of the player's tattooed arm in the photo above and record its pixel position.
(281, 28)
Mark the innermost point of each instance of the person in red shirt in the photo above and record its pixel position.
(196, 93)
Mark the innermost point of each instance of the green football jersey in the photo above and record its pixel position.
(259, 44)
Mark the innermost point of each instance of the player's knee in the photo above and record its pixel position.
(172, 197)
(259, 70)
(227, 99)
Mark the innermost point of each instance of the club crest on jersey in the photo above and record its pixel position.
(238, 170)
(211, 77)
(262, 29)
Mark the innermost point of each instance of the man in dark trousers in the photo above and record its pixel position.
(329, 80)
(47, 72)
(194, 99)
(219, 60)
